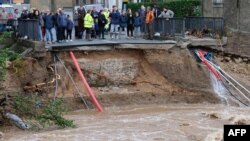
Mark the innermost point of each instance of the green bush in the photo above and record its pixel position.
(45, 113)
(6, 55)
(181, 8)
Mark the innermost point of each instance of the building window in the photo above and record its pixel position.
(218, 3)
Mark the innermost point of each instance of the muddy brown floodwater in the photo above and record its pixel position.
(182, 122)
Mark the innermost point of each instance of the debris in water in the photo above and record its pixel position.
(212, 115)
(185, 124)
(216, 136)
(239, 120)
(17, 121)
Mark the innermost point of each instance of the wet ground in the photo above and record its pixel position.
(141, 123)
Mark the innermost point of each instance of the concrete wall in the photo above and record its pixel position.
(235, 12)
(237, 15)
(209, 10)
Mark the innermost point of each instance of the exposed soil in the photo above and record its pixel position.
(240, 70)
(163, 77)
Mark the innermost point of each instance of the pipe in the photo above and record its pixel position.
(85, 83)
(56, 86)
(230, 83)
(17, 121)
(230, 77)
(201, 56)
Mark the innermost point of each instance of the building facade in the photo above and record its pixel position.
(235, 12)
(52, 4)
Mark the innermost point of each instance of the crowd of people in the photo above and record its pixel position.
(89, 24)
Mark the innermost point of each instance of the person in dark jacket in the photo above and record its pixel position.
(81, 15)
(123, 23)
(54, 17)
(75, 18)
(62, 25)
(137, 24)
(36, 16)
(70, 26)
(130, 27)
(32, 14)
(115, 21)
(24, 14)
(102, 21)
(49, 25)
(142, 13)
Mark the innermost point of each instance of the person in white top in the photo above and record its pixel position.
(166, 13)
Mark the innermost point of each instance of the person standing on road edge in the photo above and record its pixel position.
(149, 20)
(62, 25)
(102, 21)
(123, 23)
(49, 25)
(130, 24)
(142, 13)
(70, 26)
(137, 24)
(88, 24)
(115, 21)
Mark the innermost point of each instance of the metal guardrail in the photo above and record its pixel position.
(213, 24)
(170, 26)
(29, 28)
(178, 26)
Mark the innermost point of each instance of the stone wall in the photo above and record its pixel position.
(209, 10)
(113, 71)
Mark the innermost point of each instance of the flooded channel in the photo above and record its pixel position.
(182, 122)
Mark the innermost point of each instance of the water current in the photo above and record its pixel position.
(182, 122)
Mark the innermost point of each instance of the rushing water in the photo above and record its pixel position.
(222, 92)
(143, 123)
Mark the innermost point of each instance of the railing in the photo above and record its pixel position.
(178, 26)
(166, 27)
(29, 28)
(213, 24)
(170, 26)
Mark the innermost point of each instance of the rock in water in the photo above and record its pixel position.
(17, 121)
(1, 135)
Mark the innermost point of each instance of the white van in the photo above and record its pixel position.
(8, 9)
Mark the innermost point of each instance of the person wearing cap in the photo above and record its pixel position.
(115, 21)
